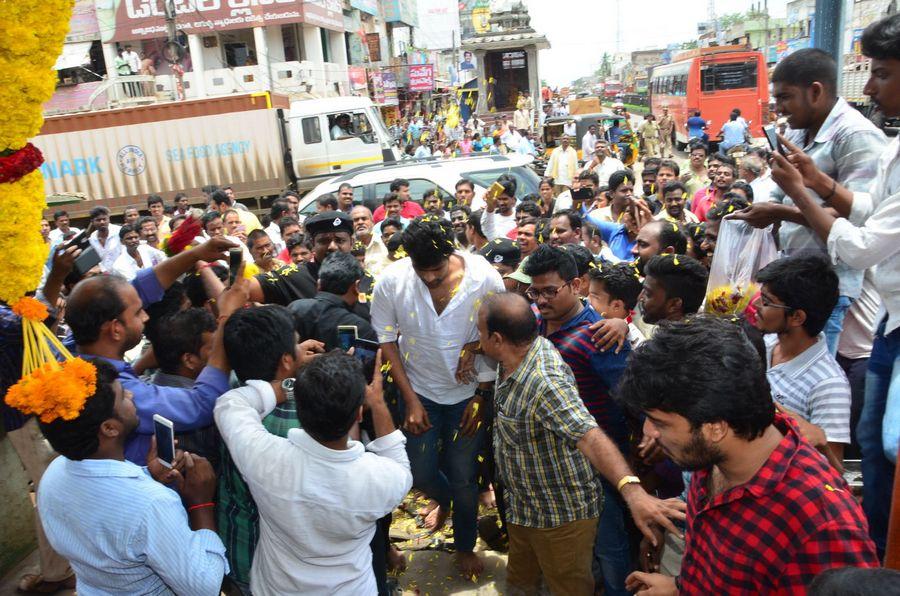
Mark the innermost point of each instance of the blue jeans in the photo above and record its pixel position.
(448, 474)
(612, 549)
(882, 385)
(835, 323)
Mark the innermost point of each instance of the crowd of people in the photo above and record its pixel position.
(547, 353)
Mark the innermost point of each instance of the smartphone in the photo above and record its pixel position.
(165, 440)
(87, 260)
(347, 335)
(580, 196)
(366, 351)
(235, 256)
(82, 240)
(772, 137)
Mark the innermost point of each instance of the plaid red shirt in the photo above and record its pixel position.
(774, 534)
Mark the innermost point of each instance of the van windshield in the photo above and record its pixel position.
(527, 181)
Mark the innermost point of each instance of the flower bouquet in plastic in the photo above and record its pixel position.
(741, 251)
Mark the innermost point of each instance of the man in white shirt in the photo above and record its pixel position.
(342, 128)
(133, 60)
(588, 142)
(105, 238)
(319, 492)
(62, 229)
(570, 129)
(498, 218)
(867, 234)
(136, 256)
(424, 311)
(603, 163)
(563, 164)
(752, 171)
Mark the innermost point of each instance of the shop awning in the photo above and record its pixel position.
(74, 55)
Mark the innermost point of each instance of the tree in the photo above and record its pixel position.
(605, 66)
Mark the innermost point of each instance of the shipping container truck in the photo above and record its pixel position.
(257, 143)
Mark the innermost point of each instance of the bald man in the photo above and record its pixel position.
(106, 315)
(551, 511)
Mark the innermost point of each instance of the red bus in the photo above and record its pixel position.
(612, 88)
(714, 81)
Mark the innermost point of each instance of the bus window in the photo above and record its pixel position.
(733, 75)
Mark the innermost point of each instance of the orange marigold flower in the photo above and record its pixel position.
(55, 390)
(30, 308)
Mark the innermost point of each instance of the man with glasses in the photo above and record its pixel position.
(797, 297)
(565, 320)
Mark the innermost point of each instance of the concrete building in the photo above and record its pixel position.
(290, 46)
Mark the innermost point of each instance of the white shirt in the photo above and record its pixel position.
(763, 187)
(56, 234)
(570, 129)
(606, 168)
(317, 506)
(871, 236)
(111, 251)
(859, 324)
(587, 146)
(494, 225)
(430, 344)
(274, 233)
(338, 133)
(128, 268)
(134, 61)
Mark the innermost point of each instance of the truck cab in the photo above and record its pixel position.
(330, 136)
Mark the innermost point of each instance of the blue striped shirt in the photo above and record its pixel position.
(124, 533)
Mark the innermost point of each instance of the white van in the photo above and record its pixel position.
(371, 183)
(332, 136)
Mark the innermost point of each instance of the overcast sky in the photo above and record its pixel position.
(580, 31)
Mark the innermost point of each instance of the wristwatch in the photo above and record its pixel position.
(627, 480)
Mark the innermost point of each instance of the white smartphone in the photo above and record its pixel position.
(347, 334)
(164, 430)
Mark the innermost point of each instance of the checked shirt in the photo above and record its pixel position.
(775, 533)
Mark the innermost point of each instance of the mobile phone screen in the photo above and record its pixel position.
(165, 441)
(346, 336)
(366, 351)
(772, 138)
(235, 255)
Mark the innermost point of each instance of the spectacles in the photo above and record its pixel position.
(769, 304)
(545, 293)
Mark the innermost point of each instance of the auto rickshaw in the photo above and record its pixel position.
(553, 130)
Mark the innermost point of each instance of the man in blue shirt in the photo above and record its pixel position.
(122, 531)
(733, 133)
(697, 127)
(106, 315)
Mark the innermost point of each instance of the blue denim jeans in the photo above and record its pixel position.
(612, 549)
(836, 323)
(445, 467)
(882, 385)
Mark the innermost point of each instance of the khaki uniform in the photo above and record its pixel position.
(666, 126)
(649, 132)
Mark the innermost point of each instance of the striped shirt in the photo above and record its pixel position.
(813, 385)
(125, 533)
(847, 148)
(539, 420)
(596, 373)
(238, 517)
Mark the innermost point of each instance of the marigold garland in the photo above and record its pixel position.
(55, 390)
(32, 33)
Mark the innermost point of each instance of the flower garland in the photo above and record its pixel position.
(32, 33)
(31, 36)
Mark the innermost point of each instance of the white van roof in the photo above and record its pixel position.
(303, 107)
